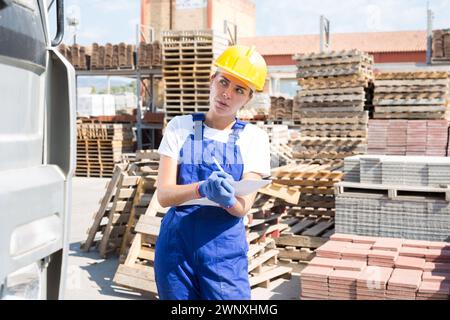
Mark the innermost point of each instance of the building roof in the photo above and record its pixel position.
(372, 42)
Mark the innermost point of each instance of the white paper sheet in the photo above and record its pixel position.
(241, 188)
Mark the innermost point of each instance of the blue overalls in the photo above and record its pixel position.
(201, 251)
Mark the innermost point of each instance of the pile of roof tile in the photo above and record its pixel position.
(350, 267)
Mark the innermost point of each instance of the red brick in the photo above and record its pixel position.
(410, 263)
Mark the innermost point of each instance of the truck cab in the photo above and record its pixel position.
(37, 151)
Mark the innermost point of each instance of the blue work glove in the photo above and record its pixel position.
(217, 188)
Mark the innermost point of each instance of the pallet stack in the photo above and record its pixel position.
(306, 192)
(126, 198)
(100, 146)
(408, 137)
(411, 95)
(136, 271)
(281, 109)
(441, 47)
(188, 57)
(352, 267)
(263, 228)
(110, 220)
(335, 92)
(404, 197)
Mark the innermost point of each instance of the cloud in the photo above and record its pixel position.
(114, 5)
(302, 17)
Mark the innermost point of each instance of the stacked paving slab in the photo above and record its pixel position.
(352, 267)
(331, 104)
(409, 137)
(394, 196)
(187, 66)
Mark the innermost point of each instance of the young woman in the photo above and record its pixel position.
(201, 252)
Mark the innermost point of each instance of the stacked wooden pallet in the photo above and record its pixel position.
(297, 243)
(126, 198)
(304, 195)
(136, 271)
(263, 228)
(146, 166)
(335, 92)
(351, 267)
(187, 67)
(441, 46)
(411, 95)
(281, 108)
(315, 183)
(409, 137)
(327, 148)
(112, 216)
(100, 146)
(335, 124)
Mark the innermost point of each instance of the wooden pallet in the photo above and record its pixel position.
(112, 188)
(393, 192)
(144, 193)
(297, 244)
(137, 270)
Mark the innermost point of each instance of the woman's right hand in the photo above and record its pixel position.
(218, 189)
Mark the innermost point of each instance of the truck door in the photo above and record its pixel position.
(37, 152)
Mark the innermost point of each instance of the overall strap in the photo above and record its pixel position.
(237, 128)
(198, 119)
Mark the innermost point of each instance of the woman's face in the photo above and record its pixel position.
(228, 94)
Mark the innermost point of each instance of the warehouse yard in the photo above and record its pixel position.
(358, 207)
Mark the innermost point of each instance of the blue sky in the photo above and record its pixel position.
(115, 20)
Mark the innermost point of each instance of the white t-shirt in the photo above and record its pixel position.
(253, 142)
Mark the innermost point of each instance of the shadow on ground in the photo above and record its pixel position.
(88, 271)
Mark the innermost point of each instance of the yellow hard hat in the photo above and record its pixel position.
(245, 63)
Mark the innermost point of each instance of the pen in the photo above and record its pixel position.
(218, 164)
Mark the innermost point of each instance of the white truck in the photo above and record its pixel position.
(37, 151)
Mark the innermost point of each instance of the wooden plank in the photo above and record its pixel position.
(108, 228)
(270, 275)
(101, 211)
(136, 277)
(319, 228)
(300, 241)
(302, 225)
(263, 258)
(148, 225)
(289, 195)
(296, 254)
(132, 216)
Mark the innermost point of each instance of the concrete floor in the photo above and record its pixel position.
(90, 276)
